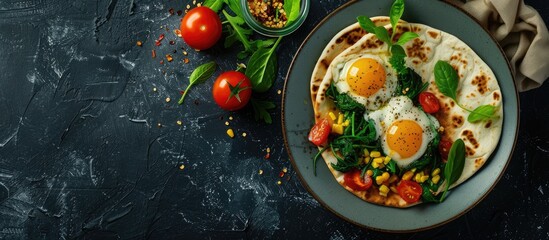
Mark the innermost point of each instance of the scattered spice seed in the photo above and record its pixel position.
(185, 53)
(177, 32)
(179, 122)
(268, 150)
(169, 57)
(153, 53)
(279, 182)
(226, 123)
(139, 43)
(281, 174)
(244, 134)
(260, 172)
(159, 125)
(154, 89)
(199, 4)
(188, 6)
(179, 12)
(194, 2)
(285, 169)
(182, 167)
(168, 99)
(279, 92)
(162, 62)
(267, 156)
(171, 11)
(231, 118)
(186, 60)
(172, 42)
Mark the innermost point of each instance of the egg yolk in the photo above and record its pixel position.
(404, 137)
(366, 76)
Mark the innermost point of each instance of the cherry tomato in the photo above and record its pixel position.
(201, 28)
(353, 180)
(320, 131)
(232, 90)
(429, 102)
(410, 191)
(444, 148)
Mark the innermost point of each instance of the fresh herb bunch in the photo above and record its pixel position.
(447, 81)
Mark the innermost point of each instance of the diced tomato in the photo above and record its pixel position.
(410, 191)
(444, 148)
(320, 132)
(429, 102)
(353, 180)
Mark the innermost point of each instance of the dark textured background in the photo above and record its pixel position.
(82, 156)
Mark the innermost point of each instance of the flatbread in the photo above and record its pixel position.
(478, 86)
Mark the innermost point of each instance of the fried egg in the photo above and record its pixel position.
(368, 78)
(403, 129)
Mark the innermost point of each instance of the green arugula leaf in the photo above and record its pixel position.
(199, 75)
(397, 9)
(261, 108)
(215, 5)
(262, 67)
(366, 24)
(405, 37)
(482, 113)
(446, 79)
(292, 9)
(235, 7)
(237, 33)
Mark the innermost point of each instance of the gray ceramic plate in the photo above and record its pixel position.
(297, 118)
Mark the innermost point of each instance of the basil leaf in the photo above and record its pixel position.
(292, 8)
(262, 68)
(397, 9)
(366, 24)
(405, 37)
(397, 59)
(482, 113)
(446, 79)
(215, 5)
(456, 162)
(199, 75)
(383, 35)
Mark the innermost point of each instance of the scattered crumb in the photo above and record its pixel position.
(179, 122)
(279, 182)
(260, 172)
(186, 60)
(285, 169)
(268, 150)
(155, 90)
(244, 134)
(279, 92)
(188, 6)
(231, 118)
(168, 99)
(182, 167)
(226, 123)
(139, 43)
(159, 125)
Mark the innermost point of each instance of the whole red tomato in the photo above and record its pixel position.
(232, 90)
(201, 28)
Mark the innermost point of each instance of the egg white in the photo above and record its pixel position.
(376, 100)
(402, 108)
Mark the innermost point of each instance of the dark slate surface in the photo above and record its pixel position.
(81, 155)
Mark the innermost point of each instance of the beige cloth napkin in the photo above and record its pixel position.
(522, 34)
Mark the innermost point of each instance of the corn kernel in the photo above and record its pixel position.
(369, 173)
(435, 179)
(230, 132)
(340, 119)
(394, 189)
(418, 176)
(375, 154)
(375, 164)
(385, 175)
(346, 123)
(407, 175)
(383, 190)
(414, 170)
(435, 172)
(367, 159)
(337, 128)
(380, 180)
(387, 160)
(424, 178)
(332, 116)
(378, 160)
(366, 152)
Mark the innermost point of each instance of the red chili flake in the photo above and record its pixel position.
(171, 11)
(281, 174)
(179, 12)
(161, 37)
(161, 61)
(177, 32)
(186, 60)
(172, 42)
(153, 53)
(182, 92)
(268, 155)
(169, 57)
(158, 42)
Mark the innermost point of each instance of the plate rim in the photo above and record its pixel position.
(323, 203)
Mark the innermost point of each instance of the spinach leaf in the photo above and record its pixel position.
(343, 101)
(410, 84)
(446, 79)
(397, 9)
(392, 167)
(292, 8)
(481, 113)
(456, 162)
(262, 68)
(199, 75)
(215, 5)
